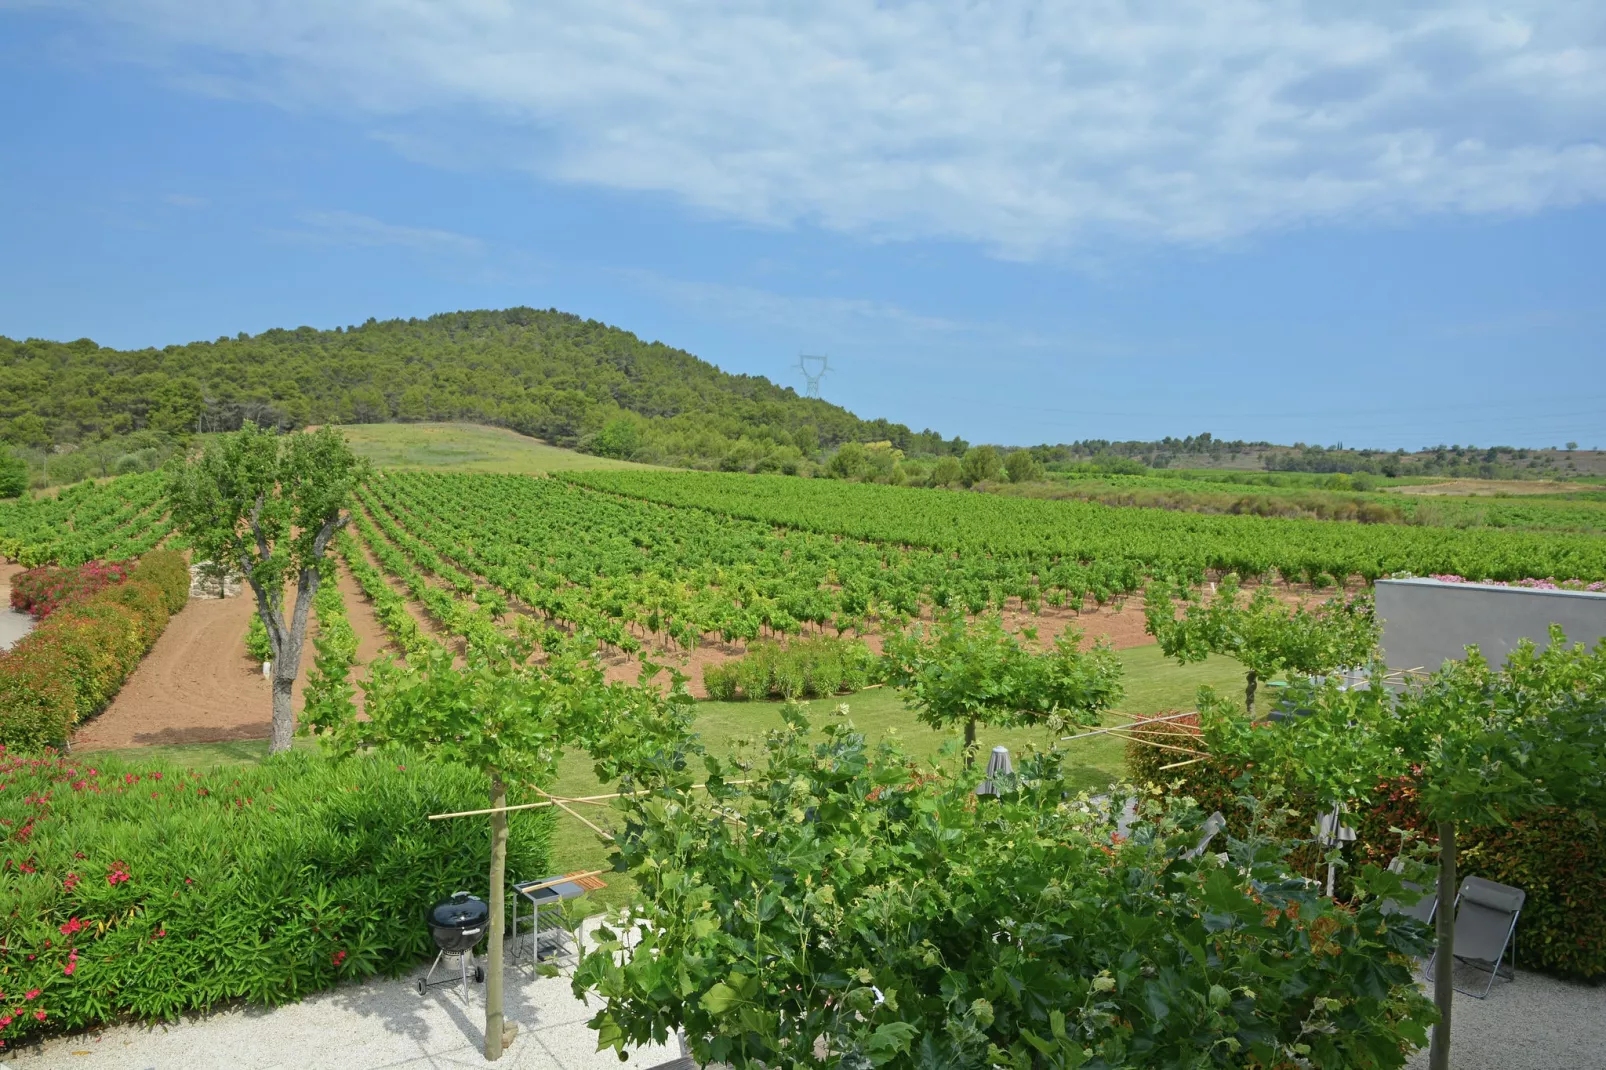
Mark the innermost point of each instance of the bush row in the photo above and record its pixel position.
(1558, 858)
(144, 890)
(71, 665)
(42, 591)
(816, 667)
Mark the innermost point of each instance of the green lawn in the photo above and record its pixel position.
(465, 448)
(1152, 684)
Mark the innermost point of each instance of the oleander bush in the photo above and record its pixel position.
(1558, 857)
(817, 667)
(76, 660)
(142, 890)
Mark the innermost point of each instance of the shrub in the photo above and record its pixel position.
(1558, 857)
(75, 662)
(256, 640)
(816, 667)
(140, 889)
(42, 591)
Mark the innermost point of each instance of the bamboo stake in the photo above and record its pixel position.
(574, 814)
(1126, 727)
(549, 801)
(1179, 765)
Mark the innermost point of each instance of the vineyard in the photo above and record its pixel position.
(655, 559)
(1043, 534)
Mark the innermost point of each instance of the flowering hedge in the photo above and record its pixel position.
(138, 889)
(42, 591)
(70, 666)
(1558, 857)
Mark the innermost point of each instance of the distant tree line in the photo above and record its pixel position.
(573, 382)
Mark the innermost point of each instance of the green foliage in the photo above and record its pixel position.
(1022, 467)
(816, 667)
(122, 518)
(329, 691)
(1264, 635)
(13, 474)
(957, 671)
(980, 464)
(136, 889)
(1481, 748)
(849, 906)
(946, 472)
(70, 666)
(539, 372)
(256, 640)
(269, 504)
(1049, 533)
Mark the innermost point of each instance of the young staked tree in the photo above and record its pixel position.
(1261, 633)
(1482, 747)
(957, 671)
(509, 719)
(268, 504)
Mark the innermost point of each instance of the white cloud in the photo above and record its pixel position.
(349, 228)
(1024, 126)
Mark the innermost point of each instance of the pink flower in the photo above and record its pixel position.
(39, 1015)
(32, 994)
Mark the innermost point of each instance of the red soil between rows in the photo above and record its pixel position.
(199, 686)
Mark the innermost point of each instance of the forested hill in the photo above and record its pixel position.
(574, 382)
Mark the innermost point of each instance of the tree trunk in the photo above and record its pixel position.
(970, 741)
(284, 714)
(1444, 963)
(1250, 680)
(494, 1019)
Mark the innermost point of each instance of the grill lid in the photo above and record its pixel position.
(460, 910)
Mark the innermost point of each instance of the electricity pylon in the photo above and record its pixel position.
(813, 377)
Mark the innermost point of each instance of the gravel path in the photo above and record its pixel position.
(1534, 1023)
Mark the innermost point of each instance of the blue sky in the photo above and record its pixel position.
(1016, 222)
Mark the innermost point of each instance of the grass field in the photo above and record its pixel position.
(1152, 684)
(466, 448)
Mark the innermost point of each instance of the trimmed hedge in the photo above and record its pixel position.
(1558, 857)
(817, 668)
(144, 890)
(76, 660)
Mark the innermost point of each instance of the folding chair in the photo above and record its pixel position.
(1423, 909)
(1210, 826)
(1485, 924)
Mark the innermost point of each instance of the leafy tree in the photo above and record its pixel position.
(1482, 747)
(946, 472)
(13, 474)
(268, 505)
(849, 906)
(850, 461)
(1571, 446)
(509, 720)
(981, 463)
(618, 438)
(1263, 634)
(1022, 467)
(958, 671)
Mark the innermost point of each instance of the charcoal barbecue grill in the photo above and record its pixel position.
(457, 924)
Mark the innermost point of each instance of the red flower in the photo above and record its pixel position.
(71, 882)
(339, 957)
(39, 1015)
(31, 994)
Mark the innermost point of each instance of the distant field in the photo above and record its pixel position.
(1492, 487)
(466, 448)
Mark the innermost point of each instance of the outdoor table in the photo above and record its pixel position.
(550, 898)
